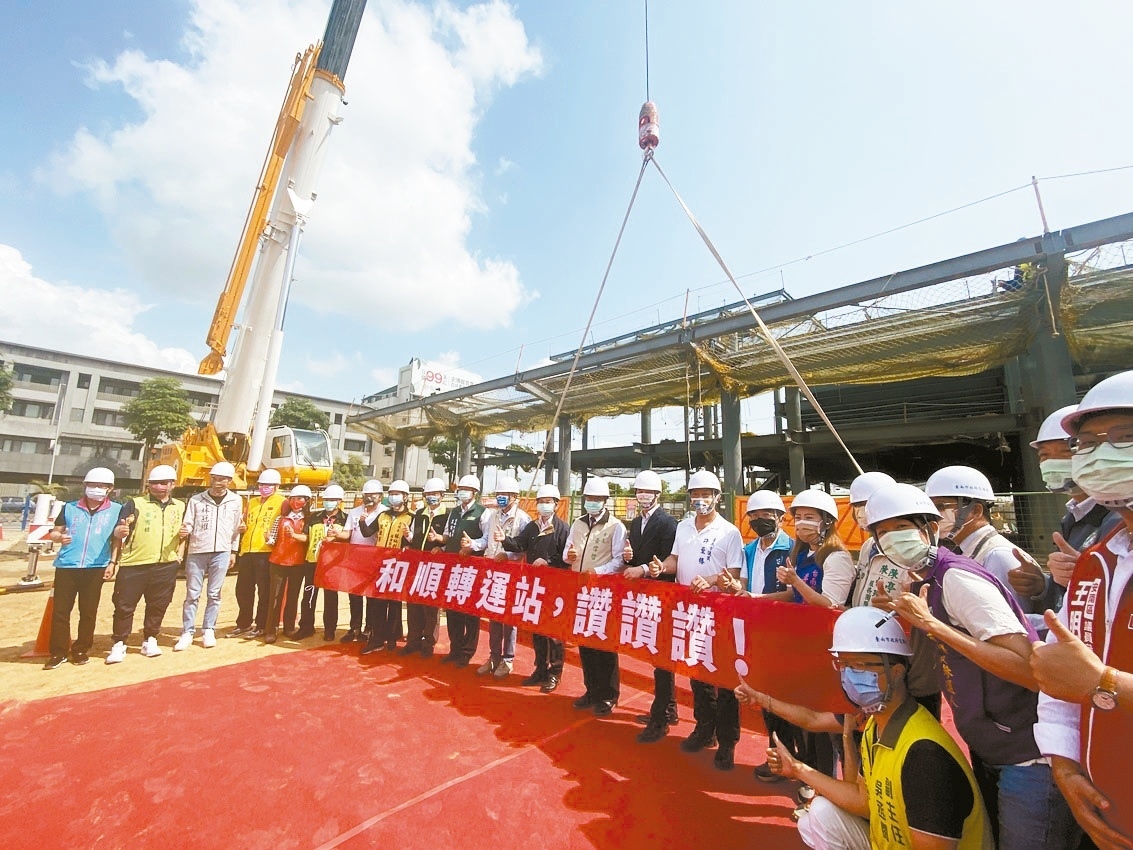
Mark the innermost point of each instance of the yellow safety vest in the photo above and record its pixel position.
(154, 537)
(262, 513)
(888, 825)
(317, 533)
(391, 529)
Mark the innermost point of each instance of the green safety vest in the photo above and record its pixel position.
(154, 537)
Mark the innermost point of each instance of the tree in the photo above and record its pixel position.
(350, 474)
(519, 447)
(159, 411)
(5, 389)
(443, 451)
(301, 413)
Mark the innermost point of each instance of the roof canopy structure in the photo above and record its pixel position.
(952, 318)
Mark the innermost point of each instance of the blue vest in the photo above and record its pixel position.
(995, 717)
(90, 536)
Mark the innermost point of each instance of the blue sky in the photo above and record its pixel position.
(471, 197)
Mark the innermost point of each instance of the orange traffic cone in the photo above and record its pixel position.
(42, 647)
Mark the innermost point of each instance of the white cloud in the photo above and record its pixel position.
(503, 166)
(62, 316)
(398, 187)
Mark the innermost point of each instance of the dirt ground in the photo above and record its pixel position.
(21, 612)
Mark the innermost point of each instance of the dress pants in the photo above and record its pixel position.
(384, 618)
(84, 585)
(463, 634)
(664, 707)
(154, 582)
(716, 711)
(600, 673)
(308, 599)
(253, 583)
(285, 586)
(548, 655)
(424, 626)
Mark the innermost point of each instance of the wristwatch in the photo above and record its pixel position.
(1104, 696)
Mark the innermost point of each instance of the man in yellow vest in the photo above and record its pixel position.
(148, 561)
(915, 788)
(252, 575)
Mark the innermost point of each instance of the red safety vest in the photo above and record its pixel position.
(1105, 735)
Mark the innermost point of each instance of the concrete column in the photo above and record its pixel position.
(548, 471)
(733, 457)
(564, 456)
(464, 456)
(646, 438)
(480, 460)
(399, 460)
(795, 456)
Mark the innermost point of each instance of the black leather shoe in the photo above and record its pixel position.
(328, 634)
(350, 636)
(270, 637)
(697, 741)
(549, 684)
(643, 719)
(584, 701)
(426, 652)
(652, 733)
(79, 658)
(604, 708)
(536, 678)
(448, 659)
(461, 663)
(408, 650)
(725, 758)
(55, 661)
(302, 634)
(371, 648)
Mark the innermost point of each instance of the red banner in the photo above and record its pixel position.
(707, 636)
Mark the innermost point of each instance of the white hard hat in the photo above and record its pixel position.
(434, 485)
(865, 629)
(765, 500)
(332, 491)
(960, 481)
(507, 484)
(1052, 429)
(647, 479)
(100, 475)
(1114, 393)
(300, 490)
(372, 486)
(548, 491)
(817, 499)
(702, 479)
(400, 486)
(596, 487)
(898, 500)
(269, 476)
(223, 470)
(161, 472)
(469, 482)
(862, 487)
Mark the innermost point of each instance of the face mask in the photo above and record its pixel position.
(298, 504)
(808, 530)
(859, 516)
(96, 494)
(266, 490)
(764, 526)
(465, 496)
(703, 507)
(1056, 473)
(861, 688)
(432, 501)
(396, 501)
(502, 501)
(905, 547)
(594, 508)
(371, 499)
(330, 504)
(646, 500)
(1106, 474)
(947, 525)
(545, 509)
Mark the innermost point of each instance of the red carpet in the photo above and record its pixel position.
(322, 749)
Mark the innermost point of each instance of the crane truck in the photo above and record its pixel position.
(240, 431)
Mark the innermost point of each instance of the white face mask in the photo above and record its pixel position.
(396, 501)
(859, 516)
(1106, 474)
(905, 547)
(95, 494)
(1057, 475)
(545, 508)
(465, 496)
(645, 501)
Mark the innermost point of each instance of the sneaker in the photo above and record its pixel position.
(697, 741)
(652, 733)
(208, 638)
(117, 653)
(503, 669)
(55, 661)
(239, 631)
(549, 684)
(805, 795)
(486, 668)
(79, 658)
(183, 642)
(725, 758)
(536, 678)
(764, 774)
(252, 633)
(350, 636)
(150, 649)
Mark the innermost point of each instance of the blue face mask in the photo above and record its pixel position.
(502, 501)
(594, 508)
(861, 688)
(432, 501)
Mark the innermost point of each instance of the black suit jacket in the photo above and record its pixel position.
(660, 534)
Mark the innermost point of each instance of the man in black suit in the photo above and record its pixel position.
(651, 535)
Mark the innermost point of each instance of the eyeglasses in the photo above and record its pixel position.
(1119, 438)
(858, 666)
